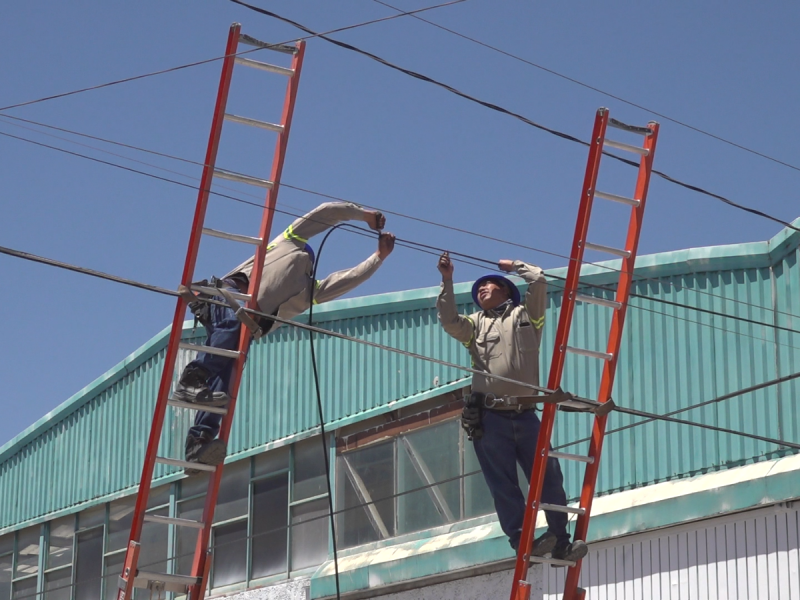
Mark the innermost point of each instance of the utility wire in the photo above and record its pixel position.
(402, 241)
(595, 89)
(508, 112)
(414, 355)
(637, 278)
(216, 58)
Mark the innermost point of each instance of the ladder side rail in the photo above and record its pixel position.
(202, 557)
(614, 343)
(180, 311)
(519, 592)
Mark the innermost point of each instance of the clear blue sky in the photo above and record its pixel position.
(369, 134)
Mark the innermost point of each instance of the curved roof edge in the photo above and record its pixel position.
(662, 264)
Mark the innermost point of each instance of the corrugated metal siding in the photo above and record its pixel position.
(748, 556)
(671, 357)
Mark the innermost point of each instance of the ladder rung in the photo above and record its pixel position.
(212, 291)
(209, 409)
(189, 405)
(210, 350)
(174, 583)
(264, 66)
(254, 123)
(174, 521)
(616, 198)
(251, 41)
(621, 146)
(231, 176)
(631, 128)
(234, 237)
(564, 509)
(552, 561)
(174, 462)
(589, 353)
(596, 300)
(576, 457)
(608, 250)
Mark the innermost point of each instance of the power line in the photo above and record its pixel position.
(405, 243)
(342, 336)
(595, 89)
(508, 112)
(637, 278)
(216, 58)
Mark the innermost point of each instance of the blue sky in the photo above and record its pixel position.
(368, 134)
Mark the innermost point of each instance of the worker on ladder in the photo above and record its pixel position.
(285, 291)
(503, 339)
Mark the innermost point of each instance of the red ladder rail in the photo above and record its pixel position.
(195, 584)
(520, 587)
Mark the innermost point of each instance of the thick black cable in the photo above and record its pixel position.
(337, 198)
(312, 288)
(216, 58)
(508, 112)
(403, 242)
(595, 89)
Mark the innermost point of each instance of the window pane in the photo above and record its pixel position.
(62, 532)
(309, 469)
(187, 537)
(5, 576)
(153, 556)
(428, 456)
(271, 461)
(27, 552)
(270, 513)
(477, 499)
(57, 584)
(230, 554)
(310, 526)
(232, 498)
(25, 589)
(6, 545)
(92, 517)
(89, 564)
(114, 565)
(120, 517)
(366, 475)
(194, 485)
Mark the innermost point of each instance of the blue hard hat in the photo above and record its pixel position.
(310, 251)
(513, 292)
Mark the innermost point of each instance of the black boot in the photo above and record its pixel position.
(204, 449)
(544, 544)
(193, 387)
(572, 552)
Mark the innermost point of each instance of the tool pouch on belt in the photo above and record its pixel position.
(471, 415)
(200, 308)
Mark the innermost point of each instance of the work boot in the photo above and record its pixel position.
(192, 387)
(205, 450)
(571, 552)
(544, 544)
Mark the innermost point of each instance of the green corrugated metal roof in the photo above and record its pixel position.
(92, 446)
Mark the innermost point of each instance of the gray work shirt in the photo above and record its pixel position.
(501, 343)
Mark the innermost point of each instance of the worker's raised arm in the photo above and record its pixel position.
(458, 326)
(326, 216)
(536, 294)
(341, 282)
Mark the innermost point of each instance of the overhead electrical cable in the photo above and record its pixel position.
(414, 355)
(595, 89)
(508, 112)
(216, 58)
(637, 277)
(403, 242)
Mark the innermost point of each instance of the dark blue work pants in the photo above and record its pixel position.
(509, 437)
(223, 333)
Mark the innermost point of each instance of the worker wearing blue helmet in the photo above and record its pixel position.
(503, 339)
(285, 292)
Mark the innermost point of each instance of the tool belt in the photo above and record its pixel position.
(517, 403)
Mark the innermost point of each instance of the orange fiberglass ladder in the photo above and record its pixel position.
(521, 588)
(194, 584)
